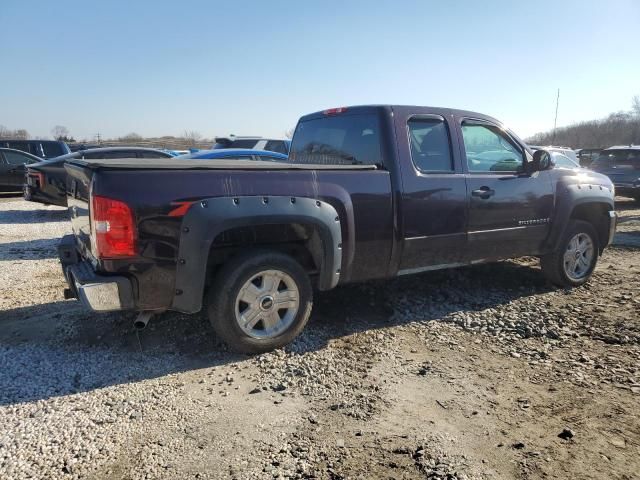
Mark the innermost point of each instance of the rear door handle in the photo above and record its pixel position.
(483, 192)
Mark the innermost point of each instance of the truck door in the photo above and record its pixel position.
(509, 210)
(434, 196)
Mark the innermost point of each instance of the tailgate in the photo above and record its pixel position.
(78, 189)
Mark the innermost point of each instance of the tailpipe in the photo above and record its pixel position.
(141, 320)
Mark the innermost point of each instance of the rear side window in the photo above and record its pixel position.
(24, 146)
(243, 144)
(430, 145)
(152, 155)
(338, 140)
(116, 154)
(52, 149)
(276, 146)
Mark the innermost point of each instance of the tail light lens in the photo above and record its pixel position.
(112, 228)
(37, 179)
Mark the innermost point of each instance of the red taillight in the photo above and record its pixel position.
(112, 227)
(335, 111)
(38, 179)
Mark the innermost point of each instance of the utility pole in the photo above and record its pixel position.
(97, 138)
(555, 121)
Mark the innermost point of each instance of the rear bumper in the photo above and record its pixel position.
(613, 221)
(99, 293)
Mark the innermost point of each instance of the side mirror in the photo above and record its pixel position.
(541, 161)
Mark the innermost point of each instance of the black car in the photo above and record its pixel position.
(39, 148)
(622, 165)
(46, 182)
(12, 168)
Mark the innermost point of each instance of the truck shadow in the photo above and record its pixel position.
(57, 349)
(29, 249)
(34, 216)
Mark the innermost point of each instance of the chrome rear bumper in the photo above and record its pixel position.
(100, 293)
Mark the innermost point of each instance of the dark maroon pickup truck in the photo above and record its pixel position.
(369, 192)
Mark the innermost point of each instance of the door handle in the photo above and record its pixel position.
(483, 192)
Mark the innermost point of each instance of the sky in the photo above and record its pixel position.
(253, 67)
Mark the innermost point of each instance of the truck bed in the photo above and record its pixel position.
(207, 164)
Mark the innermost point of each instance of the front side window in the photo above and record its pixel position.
(489, 149)
(338, 140)
(14, 158)
(430, 145)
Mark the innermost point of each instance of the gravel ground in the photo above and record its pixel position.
(483, 372)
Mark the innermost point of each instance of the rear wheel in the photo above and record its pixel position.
(260, 301)
(572, 264)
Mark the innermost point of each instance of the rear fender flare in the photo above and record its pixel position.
(208, 218)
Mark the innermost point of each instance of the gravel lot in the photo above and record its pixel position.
(483, 372)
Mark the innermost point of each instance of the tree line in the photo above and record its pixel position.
(61, 133)
(620, 128)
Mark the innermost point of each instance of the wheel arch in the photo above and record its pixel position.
(590, 203)
(213, 226)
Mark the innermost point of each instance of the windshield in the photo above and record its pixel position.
(338, 140)
(562, 161)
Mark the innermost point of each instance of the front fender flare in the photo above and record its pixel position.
(573, 196)
(208, 218)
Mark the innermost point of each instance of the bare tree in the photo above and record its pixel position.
(4, 132)
(192, 137)
(635, 105)
(289, 133)
(60, 132)
(131, 137)
(21, 134)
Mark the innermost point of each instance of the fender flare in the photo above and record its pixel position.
(208, 218)
(573, 196)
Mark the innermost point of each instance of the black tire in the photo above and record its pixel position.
(229, 281)
(553, 264)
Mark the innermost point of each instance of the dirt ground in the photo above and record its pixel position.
(484, 372)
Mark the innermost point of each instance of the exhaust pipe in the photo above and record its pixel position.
(141, 320)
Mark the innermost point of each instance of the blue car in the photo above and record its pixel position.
(237, 153)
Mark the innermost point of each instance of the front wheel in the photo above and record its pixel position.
(260, 301)
(572, 264)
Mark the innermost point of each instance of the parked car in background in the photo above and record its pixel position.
(12, 168)
(586, 156)
(45, 182)
(622, 165)
(237, 154)
(368, 192)
(566, 151)
(562, 161)
(39, 148)
(74, 147)
(255, 143)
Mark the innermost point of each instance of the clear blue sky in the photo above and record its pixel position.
(163, 67)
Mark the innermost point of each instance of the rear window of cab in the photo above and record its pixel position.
(338, 140)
